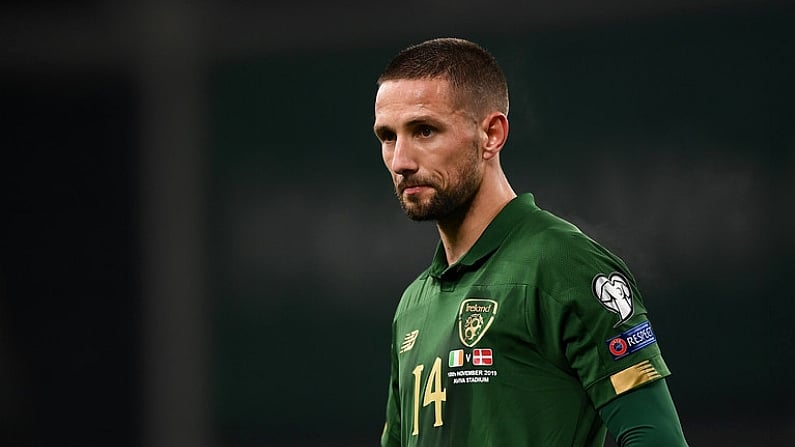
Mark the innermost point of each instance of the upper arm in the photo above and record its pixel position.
(644, 417)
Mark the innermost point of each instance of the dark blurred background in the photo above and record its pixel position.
(199, 244)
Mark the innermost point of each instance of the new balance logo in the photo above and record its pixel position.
(409, 340)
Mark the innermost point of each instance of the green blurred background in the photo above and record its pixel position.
(200, 244)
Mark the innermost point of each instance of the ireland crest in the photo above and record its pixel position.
(474, 318)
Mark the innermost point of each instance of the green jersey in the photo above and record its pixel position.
(520, 342)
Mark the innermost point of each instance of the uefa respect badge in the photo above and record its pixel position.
(632, 340)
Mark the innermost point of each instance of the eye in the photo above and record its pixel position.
(425, 131)
(386, 136)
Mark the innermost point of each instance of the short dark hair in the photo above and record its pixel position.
(471, 70)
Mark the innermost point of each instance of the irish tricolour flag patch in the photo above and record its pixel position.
(456, 358)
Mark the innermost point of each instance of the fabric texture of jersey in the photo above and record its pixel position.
(520, 342)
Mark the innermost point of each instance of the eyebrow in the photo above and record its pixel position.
(417, 120)
(421, 119)
(379, 130)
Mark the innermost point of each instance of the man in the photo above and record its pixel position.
(523, 331)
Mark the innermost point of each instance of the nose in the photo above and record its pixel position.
(403, 158)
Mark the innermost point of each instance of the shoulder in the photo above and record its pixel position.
(412, 293)
(550, 238)
(564, 259)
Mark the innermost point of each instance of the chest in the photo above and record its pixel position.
(464, 325)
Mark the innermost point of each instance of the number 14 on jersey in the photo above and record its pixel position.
(433, 393)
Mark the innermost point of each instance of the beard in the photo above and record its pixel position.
(444, 202)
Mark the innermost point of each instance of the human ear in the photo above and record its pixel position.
(495, 127)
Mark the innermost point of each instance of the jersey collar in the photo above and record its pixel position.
(489, 241)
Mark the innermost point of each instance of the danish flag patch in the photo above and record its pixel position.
(482, 357)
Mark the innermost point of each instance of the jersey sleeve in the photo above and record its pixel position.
(595, 320)
(645, 417)
(391, 434)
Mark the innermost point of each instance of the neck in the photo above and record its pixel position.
(460, 231)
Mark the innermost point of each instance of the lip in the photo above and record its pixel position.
(416, 189)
